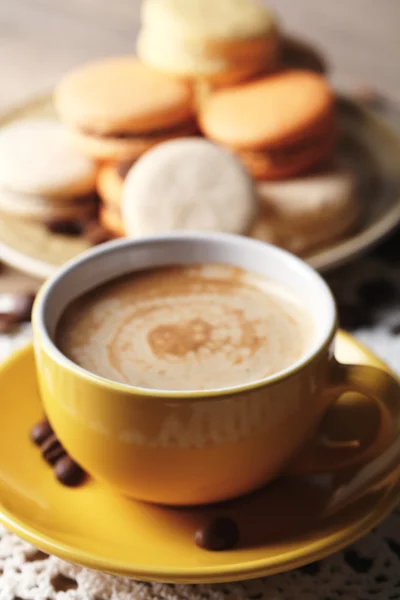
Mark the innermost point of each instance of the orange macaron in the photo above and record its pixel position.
(111, 220)
(118, 108)
(292, 159)
(110, 183)
(280, 125)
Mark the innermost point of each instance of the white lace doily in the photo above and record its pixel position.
(370, 569)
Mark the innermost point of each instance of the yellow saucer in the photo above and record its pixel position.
(281, 527)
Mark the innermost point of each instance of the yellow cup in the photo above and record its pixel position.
(194, 447)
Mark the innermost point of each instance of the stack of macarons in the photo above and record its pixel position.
(277, 116)
(221, 42)
(42, 178)
(216, 69)
(118, 108)
(280, 126)
(302, 213)
(279, 120)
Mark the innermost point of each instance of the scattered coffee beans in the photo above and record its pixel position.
(52, 450)
(389, 250)
(221, 533)
(16, 306)
(379, 292)
(352, 316)
(64, 227)
(41, 432)
(23, 304)
(7, 323)
(68, 472)
(395, 329)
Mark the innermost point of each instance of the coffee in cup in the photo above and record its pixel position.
(198, 327)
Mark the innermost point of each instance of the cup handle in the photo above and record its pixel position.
(381, 459)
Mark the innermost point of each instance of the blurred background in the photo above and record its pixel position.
(42, 39)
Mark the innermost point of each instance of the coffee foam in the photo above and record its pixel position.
(179, 328)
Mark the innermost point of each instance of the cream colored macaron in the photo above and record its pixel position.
(216, 65)
(225, 41)
(173, 56)
(40, 208)
(208, 20)
(300, 241)
(187, 184)
(302, 213)
(36, 158)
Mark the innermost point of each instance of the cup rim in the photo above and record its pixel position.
(43, 338)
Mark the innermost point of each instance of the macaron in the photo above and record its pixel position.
(110, 183)
(224, 41)
(206, 20)
(291, 160)
(110, 219)
(118, 108)
(41, 174)
(302, 213)
(188, 184)
(280, 126)
(40, 208)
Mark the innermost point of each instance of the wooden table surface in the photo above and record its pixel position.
(42, 39)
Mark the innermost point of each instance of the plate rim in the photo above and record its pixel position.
(377, 231)
(334, 542)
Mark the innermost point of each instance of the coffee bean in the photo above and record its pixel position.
(64, 227)
(7, 323)
(221, 533)
(41, 432)
(17, 306)
(68, 472)
(95, 233)
(389, 250)
(395, 329)
(352, 317)
(378, 292)
(52, 450)
(23, 306)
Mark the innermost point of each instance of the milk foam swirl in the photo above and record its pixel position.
(202, 327)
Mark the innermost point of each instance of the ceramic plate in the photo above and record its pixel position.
(282, 526)
(367, 145)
